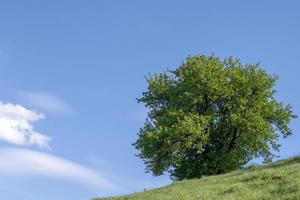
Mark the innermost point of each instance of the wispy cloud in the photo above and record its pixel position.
(2, 55)
(16, 127)
(45, 102)
(21, 162)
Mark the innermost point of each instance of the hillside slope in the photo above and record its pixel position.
(280, 180)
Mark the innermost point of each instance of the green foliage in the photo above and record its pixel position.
(210, 116)
(277, 181)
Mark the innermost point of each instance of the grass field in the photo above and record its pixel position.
(280, 180)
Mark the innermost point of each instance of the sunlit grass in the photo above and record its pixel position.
(280, 180)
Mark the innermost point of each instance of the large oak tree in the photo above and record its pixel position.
(210, 116)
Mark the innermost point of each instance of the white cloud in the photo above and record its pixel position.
(16, 128)
(21, 162)
(46, 102)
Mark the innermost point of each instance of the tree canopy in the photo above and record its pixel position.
(210, 116)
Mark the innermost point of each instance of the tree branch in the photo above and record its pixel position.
(232, 142)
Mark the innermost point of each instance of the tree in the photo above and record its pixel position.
(210, 116)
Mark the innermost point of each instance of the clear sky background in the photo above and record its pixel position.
(81, 63)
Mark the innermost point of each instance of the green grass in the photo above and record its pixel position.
(278, 181)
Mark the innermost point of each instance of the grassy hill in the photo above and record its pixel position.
(280, 180)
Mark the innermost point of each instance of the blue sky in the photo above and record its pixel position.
(76, 67)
